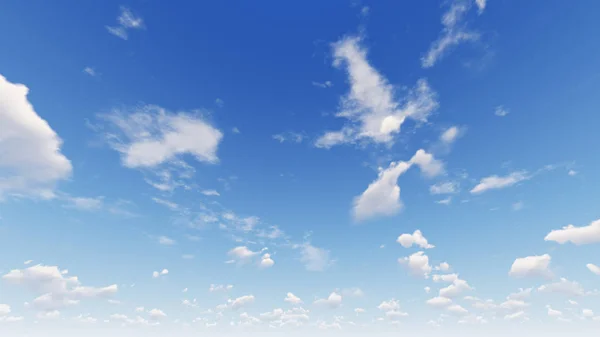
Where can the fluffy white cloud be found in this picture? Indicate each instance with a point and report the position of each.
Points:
(563, 286)
(390, 305)
(151, 136)
(219, 287)
(576, 235)
(241, 302)
(450, 135)
(382, 196)
(512, 304)
(31, 162)
(315, 258)
(457, 310)
(500, 111)
(452, 34)
(448, 187)
(445, 278)
(370, 107)
(457, 287)
(593, 268)
(516, 315)
(210, 193)
(266, 261)
(531, 266)
(587, 313)
(521, 294)
(439, 302)
(293, 299)
(4, 309)
(418, 264)
(242, 253)
(157, 274)
(125, 22)
(156, 314)
(497, 182)
(163, 240)
(359, 311)
(416, 238)
(333, 301)
(57, 288)
(552, 312)
(444, 266)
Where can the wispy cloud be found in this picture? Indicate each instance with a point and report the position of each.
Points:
(125, 22)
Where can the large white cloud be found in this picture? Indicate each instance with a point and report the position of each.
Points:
(531, 266)
(31, 162)
(382, 196)
(57, 289)
(371, 108)
(576, 235)
(457, 287)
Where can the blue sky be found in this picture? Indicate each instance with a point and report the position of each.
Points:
(338, 168)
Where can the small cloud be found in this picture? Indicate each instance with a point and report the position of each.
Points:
(364, 12)
(517, 206)
(90, 71)
(125, 22)
(187, 256)
(161, 273)
(293, 137)
(166, 241)
(446, 201)
(326, 84)
(572, 173)
(219, 102)
(210, 193)
(235, 130)
(501, 111)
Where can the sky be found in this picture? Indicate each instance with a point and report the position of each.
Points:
(338, 168)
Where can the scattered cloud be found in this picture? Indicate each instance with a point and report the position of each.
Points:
(457, 287)
(517, 206)
(593, 268)
(453, 33)
(333, 301)
(83, 204)
(445, 201)
(439, 302)
(449, 187)
(450, 135)
(497, 182)
(219, 103)
(457, 310)
(266, 261)
(157, 274)
(552, 312)
(501, 111)
(418, 264)
(31, 160)
(125, 22)
(382, 196)
(531, 266)
(481, 5)
(292, 137)
(416, 238)
(241, 302)
(293, 299)
(563, 286)
(315, 258)
(370, 107)
(210, 193)
(576, 235)
(90, 71)
(521, 294)
(326, 84)
(166, 241)
(572, 173)
(220, 288)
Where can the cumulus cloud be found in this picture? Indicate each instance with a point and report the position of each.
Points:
(531, 266)
(315, 258)
(293, 299)
(382, 196)
(439, 302)
(552, 312)
(416, 238)
(157, 274)
(333, 301)
(576, 235)
(57, 289)
(512, 304)
(457, 310)
(453, 33)
(4, 309)
(266, 261)
(593, 268)
(449, 187)
(31, 160)
(497, 182)
(521, 294)
(563, 286)
(241, 302)
(156, 314)
(457, 287)
(450, 135)
(125, 22)
(371, 108)
(418, 264)
(242, 253)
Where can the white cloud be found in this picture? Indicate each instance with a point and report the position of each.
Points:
(54, 314)
(84, 204)
(593, 268)
(326, 84)
(219, 287)
(456, 288)
(315, 258)
(445, 278)
(497, 182)
(521, 294)
(266, 261)
(126, 21)
(241, 302)
(553, 313)
(576, 235)
(166, 241)
(516, 315)
(90, 71)
(157, 274)
(450, 135)
(11, 319)
(587, 313)
(531, 266)
(220, 103)
(370, 107)
(446, 201)
(457, 310)
(170, 205)
(448, 187)
(452, 34)
(418, 264)
(382, 196)
(293, 299)
(427, 290)
(151, 136)
(572, 173)
(481, 5)
(156, 314)
(292, 137)
(353, 292)
(210, 193)
(359, 311)
(242, 253)
(4, 309)
(444, 266)
(439, 302)
(333, 301)
(563, 286)
(57, 288)
(517, 206)
(501, 111)
(31, 161)
(513, 304)
(417, 238)
(389, 305)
